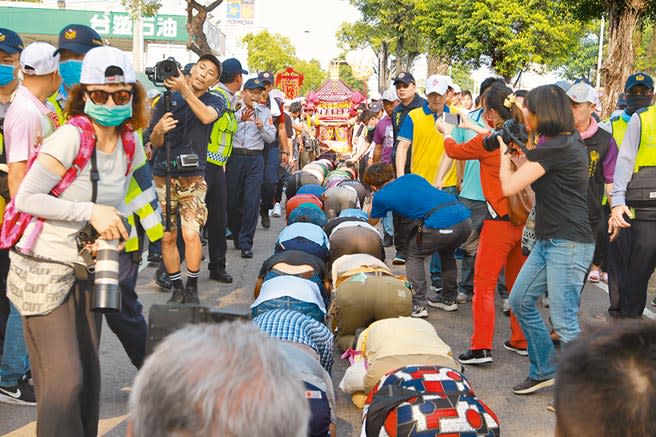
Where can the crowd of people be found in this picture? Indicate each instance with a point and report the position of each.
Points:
(525, 193)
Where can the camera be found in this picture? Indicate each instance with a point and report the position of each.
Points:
(511, 132)
(181, 163)
(163, 70)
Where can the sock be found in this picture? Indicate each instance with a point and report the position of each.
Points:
(192, 278)
(176, 279)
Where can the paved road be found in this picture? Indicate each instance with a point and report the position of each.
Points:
(519, 415)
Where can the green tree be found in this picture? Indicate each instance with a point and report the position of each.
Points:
(508, 35)
(346, 76)
(314, 74)
(646, 50)
(461, 75)
(582, 63)
(361, 34)
(624, 18)
(269, 51)
(145, 8)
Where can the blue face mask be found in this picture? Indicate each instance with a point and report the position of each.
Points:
(70, 72)
(108, 115)
(6, 74)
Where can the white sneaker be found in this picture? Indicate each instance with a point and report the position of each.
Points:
(419, 311)
(277, 210)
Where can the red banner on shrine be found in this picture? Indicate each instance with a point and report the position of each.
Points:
(290, 82)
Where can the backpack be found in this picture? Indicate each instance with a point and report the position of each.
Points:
(15, 222)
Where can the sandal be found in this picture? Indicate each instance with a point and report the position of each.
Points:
(594, 276)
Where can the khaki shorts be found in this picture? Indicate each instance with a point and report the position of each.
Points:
(187, 200)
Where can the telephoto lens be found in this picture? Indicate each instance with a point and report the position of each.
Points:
(106, 296)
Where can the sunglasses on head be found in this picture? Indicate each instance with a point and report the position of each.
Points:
(100, 97)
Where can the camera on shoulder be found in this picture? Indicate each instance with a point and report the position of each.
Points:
(511, 132)
(163, 70)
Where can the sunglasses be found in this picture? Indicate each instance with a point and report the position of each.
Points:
(100, 97)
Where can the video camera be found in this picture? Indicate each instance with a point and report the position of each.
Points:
(163, 70)
(511, 132)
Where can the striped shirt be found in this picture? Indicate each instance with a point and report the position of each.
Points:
(293, 326)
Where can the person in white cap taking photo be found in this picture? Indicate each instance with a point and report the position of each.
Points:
(88, 162)
(28, 121)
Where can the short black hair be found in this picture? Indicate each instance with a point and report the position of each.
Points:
(366, 116)
(229, 77)
(295, 107)
(465, 93)
(606, 382)
(521, 93)
(552, 108)
(489, 82)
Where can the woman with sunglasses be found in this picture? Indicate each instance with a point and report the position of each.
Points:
(62, 333)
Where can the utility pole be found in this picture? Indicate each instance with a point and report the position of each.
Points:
(601, 51)
(137, 36)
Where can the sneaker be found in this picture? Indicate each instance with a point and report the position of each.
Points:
(479, 356)
(419, 311)
(277, 210)
(191, 295)
(463, 298)
(443, 304)
(653, 302)
(154, 258)
(162, 280)
(545, 301)
(388, 240)
(518, 350)
(505, 307)
(399, 260)
(178, 296)
(532, 385)
(20, 394)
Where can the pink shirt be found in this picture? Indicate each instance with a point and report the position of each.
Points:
(27, 122)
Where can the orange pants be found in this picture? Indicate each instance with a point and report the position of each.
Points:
(499, 246)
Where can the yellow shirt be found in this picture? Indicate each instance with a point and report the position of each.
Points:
(427, 146)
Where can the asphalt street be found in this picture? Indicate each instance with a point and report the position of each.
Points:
(519, 415)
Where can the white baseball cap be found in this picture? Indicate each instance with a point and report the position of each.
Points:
(390, 95)
(456, 88)
(107, 65)
(38, 59)
(583, 93)
(438, 84)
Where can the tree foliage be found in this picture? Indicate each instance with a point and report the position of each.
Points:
(582, 63)
(269, 51)
(145, 8)
(314, 74)
(508, 35)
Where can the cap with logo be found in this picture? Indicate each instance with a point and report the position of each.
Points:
(389, 95)
(266, 77)
(107, 65)
(233, 66)
(213, 59)
(10, 42)
(563, 84)
(254, 84)
(376, 107)
(78, 38)
(403, 77)
(39, 58)
(639, 79)
(438, 84)
(583, 93)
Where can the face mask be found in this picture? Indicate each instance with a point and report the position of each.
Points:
(70, 72)
(633, 103)
(6, 74)
(371, 128)
(108, 115)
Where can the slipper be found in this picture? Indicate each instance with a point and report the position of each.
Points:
(594, 276)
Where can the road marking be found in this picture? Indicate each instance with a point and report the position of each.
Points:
(647, 312)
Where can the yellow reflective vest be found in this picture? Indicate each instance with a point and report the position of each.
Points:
(220, 147)
(647, 149)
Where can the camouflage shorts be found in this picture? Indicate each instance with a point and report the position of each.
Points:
(187, 200)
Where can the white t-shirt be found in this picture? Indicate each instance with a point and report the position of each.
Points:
(290, 286)
(57, 239)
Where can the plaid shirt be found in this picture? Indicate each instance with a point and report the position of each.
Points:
(297, 327)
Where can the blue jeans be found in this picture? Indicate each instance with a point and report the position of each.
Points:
(388, 223)
(560, 267)
(289, 303)
(15, 362)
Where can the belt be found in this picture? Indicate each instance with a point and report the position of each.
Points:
(245, 152)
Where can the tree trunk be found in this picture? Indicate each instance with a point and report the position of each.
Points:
(399, 55)
(623, 18)
(437, 65)
(383, 70)
(197, 41)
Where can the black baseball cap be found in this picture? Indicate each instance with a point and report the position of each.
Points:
(10, 42)
(233, 66)
(404, 77)
(639, 79)
(213, 59)
(78, 38)
(254, 84)
(266, 77)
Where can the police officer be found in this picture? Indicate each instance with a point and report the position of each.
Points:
(245, 170)
(218, 152)
(632, 258)
(75, 40)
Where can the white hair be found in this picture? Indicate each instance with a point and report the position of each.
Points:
(218, 380)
